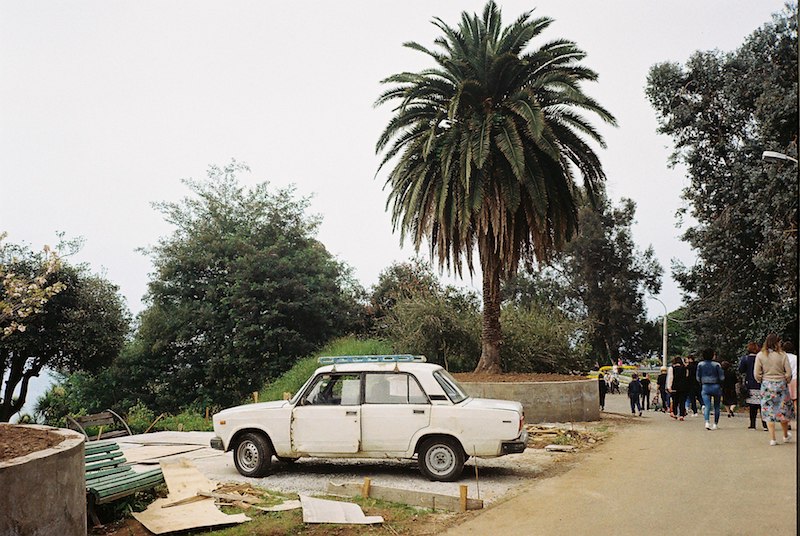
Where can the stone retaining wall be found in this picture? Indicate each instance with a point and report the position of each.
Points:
(545, 401)
(43, 493)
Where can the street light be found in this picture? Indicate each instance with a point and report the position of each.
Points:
(664, 336)
(774, 157)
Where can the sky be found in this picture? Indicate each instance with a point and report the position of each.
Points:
(106, 105)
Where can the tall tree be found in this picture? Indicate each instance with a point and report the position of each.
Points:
(722, 110)
(600, 278)
(486, 145)
(82, 327)
(241, 289)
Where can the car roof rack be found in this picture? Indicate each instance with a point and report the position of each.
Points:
(400, 358)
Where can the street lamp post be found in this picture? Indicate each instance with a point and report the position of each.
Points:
(774, 157)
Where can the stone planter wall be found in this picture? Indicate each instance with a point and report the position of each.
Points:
(43, 493)
(546, 401)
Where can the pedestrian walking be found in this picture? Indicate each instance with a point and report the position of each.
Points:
(661, 382)
(601, 382)
(710, 377)
(772, 369)
(788, 347)
(746, 367)
(729, 388)
(634, 394)
(677, 385)
(693, 394)
(645, 402)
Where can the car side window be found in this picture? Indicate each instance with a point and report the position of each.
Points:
(393, 389)
(334, 390)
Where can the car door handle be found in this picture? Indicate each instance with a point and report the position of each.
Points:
(419, 412)
(348, 413)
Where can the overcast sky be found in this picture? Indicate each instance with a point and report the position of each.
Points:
(106, 105)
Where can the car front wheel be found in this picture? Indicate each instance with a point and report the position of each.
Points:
(253, 455)
(441, 459)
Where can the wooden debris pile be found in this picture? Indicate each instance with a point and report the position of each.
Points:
(540, 436)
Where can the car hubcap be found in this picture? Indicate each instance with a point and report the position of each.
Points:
(440, 459)
(247, 454)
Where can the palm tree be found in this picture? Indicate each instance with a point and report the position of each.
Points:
(487, 144)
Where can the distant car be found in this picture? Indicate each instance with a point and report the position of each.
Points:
(373, 407)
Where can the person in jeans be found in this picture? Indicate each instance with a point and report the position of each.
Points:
(753, 400)
(710, 377)
(661, 382)
(635, 393)
(645, 402)
(677, 385)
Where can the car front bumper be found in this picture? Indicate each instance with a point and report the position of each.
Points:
(517, 445)
(216, 443)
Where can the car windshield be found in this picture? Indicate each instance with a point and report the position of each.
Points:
(451, 388)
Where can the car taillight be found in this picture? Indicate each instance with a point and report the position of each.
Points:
(521, 422)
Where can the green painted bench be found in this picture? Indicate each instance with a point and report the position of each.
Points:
(108, 478)
(102, 419)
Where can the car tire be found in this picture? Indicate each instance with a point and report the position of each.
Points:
(253, 455)
(441, 459)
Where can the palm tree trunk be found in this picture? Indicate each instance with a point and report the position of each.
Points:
(491, 336)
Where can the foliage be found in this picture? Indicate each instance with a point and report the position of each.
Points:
(399, 281)
(82, 327)
(293, 379)
(485, 145)
(23, 295)
(721, 111)
(542, 339)
(600, 280)
(444, 326)
(241, 289)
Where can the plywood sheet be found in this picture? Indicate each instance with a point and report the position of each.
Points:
(184, 481)
(151, 453)
(325, 511)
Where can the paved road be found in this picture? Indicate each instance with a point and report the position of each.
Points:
(661, 476)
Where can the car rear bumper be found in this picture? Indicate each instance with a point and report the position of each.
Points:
(517, 445)
(216, 443)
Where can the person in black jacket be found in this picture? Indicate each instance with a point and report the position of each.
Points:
(635, 393)
(693, 389)
(746, 366)
(661, 382)
(677, 386)
(729, 388)
(603, 390)
(645, 402)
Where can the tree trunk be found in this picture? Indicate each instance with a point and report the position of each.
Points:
(491, 336)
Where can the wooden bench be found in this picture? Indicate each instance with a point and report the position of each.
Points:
(104, 418)
(108, 478)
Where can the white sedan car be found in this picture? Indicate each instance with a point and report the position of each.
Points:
(373, 407)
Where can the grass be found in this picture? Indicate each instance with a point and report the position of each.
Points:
(295, 377)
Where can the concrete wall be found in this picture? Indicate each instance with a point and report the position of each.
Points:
(546, 401)
(43, 493)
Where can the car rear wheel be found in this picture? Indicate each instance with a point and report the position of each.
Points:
(253, 455)
(441, 459)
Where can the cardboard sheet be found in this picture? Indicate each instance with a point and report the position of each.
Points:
(325, 511)
(184, 481)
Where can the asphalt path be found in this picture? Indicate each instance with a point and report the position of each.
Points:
(660, 476)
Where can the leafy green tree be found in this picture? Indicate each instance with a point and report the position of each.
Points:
(721, 111)
(241, 289)
(82, 327)
(402, 280)
(486, 145)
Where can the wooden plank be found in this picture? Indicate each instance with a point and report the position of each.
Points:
(96, 448)
(434, 501)
(97, 475)
(126, 487)
(107, 463)
(102, 456)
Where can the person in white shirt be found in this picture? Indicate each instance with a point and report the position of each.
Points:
(788, 347)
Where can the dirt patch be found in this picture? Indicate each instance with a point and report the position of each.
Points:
(16, 441)
(471, 377)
